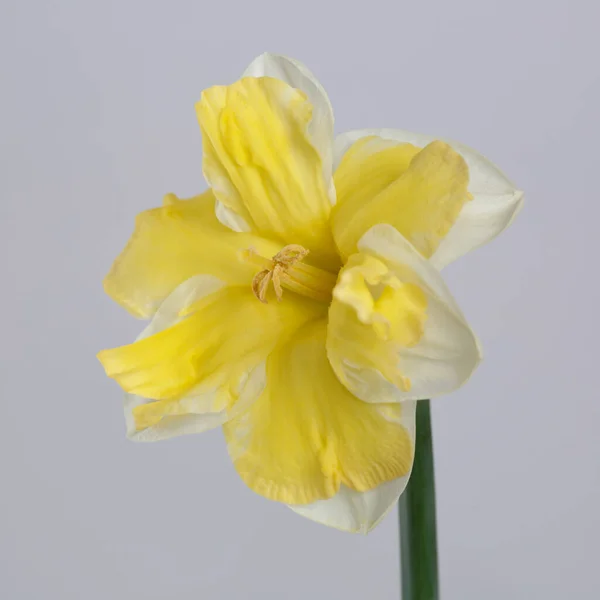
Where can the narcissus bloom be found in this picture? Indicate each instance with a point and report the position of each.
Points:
(298, 303)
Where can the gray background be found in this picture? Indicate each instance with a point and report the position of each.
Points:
(98, 122)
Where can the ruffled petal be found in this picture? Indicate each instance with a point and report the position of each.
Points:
(395, 333)
(203, 354)
(320, 128)
(419, 191)
(171, 244)
(194, 411)
(261, 161)
(495, 200)
(307, 434)
(360, 512)
(297, 75)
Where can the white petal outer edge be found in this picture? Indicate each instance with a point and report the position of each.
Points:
(167, 315)
(447, 354)
(495, 204)
(230, 218)
(320, 129)
(360, 512)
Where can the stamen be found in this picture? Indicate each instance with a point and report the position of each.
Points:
(286, 269)
(260, 284)
(290, 255)
(278, 271)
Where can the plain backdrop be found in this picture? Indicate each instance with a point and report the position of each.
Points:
(97, 123)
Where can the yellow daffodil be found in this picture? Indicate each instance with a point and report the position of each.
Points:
(298, 302)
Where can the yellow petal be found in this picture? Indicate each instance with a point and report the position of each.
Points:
(395, 333)
(373, 315)
(298, 76)
(262, 165)
(306, 435)
(495, 203)
(198, 410)
(171, 244)
(368, 167)
(207, 354)
(354, 511)
(420, 193)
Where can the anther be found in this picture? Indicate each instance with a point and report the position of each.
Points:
(285, 258)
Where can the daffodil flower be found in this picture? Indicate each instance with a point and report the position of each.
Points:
(298, 303)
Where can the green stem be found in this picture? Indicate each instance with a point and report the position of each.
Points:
(416, 513)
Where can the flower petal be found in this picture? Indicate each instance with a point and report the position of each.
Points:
(369, 166)
(297, 75)
(261, 162)
(495, 203)
(175, 242)
(360, 512)
(193, 413)
(306, 435)
(320, 128)
(203, 352)
(419, 192)
(395, 332)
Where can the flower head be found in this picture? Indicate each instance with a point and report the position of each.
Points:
(298, 302)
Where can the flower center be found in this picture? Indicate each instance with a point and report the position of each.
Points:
(287, 270)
